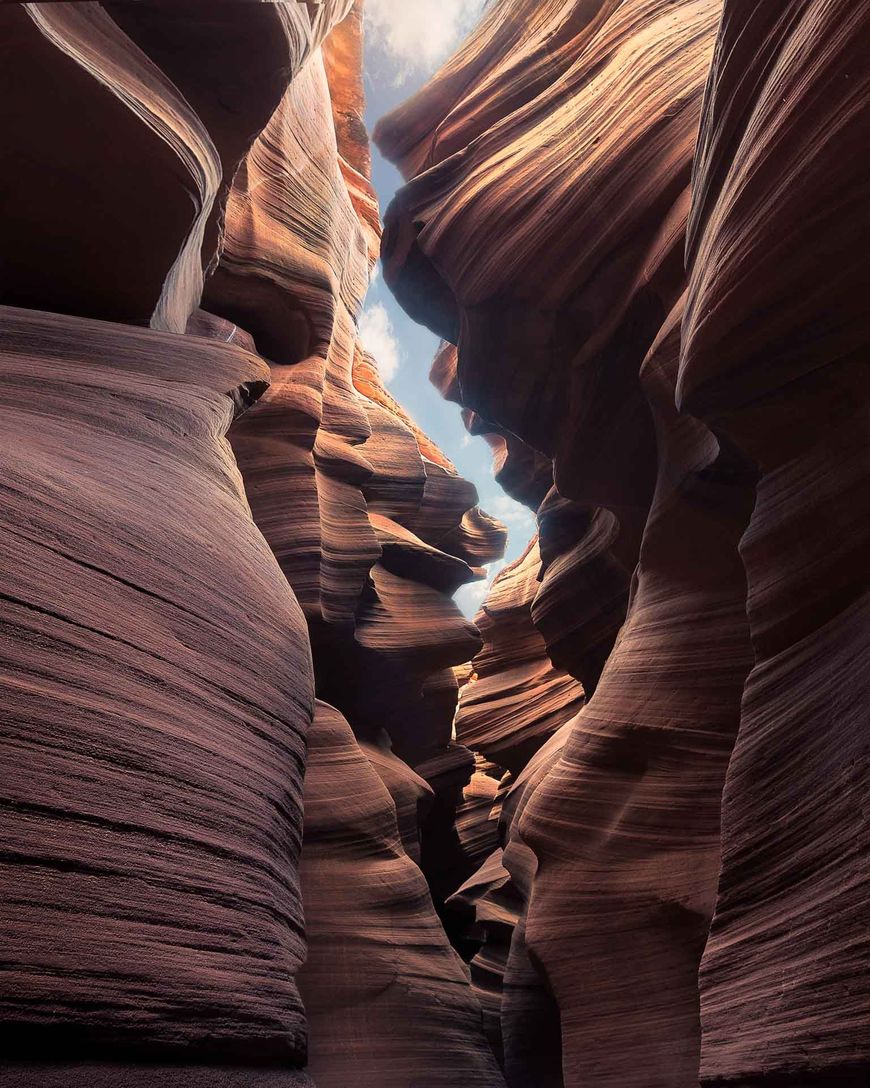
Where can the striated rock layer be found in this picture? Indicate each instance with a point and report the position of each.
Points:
(153, 739)
(634, 794)
(514, 700)
(780, 214)
(159, 671)
(703, 432)
(624, 827)
(379, 962)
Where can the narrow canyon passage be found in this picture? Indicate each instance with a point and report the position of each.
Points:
(325, 766)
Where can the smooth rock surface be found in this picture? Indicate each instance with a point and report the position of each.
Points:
(379, 970)
(153, 738)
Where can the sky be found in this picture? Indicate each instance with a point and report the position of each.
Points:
(406, 41)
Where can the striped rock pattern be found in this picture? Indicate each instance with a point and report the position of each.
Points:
(154, 739)
(158, 666)
(515, 700)
(702, 428)
(780, 214)
(379, 961)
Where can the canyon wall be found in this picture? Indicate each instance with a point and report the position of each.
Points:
(213, 511)
(275, 813)
(639, 228)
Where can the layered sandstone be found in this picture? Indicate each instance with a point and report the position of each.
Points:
(779, 217)
(689, 421)
(387, 998)
(154, 739)
(514, 700)
(159, 668)
(632, 794)
(624, 827)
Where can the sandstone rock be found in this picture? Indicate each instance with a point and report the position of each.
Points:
(154, 739)
(521, 1018)
(524, 473)
(774, 357)
(112, 240)
(293, 272)
(618, 841)
(176, 831)
(599, 168)
(515, 699)
(625, 827)
(387, 998)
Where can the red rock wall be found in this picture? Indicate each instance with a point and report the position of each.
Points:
(159, 668)
(647, 311)
(379, 961)
(154, 738)
(780, 217)
(633, 796)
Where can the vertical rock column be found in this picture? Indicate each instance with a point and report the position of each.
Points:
(156, 667)
(153, 738)
(375, 530)
(574, 294)
(775, 358)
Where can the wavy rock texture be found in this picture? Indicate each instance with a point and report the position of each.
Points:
(69, 61)
(371, 524)
(780, 214)
(512, 703)
(154, 643)
(524, 473)
(153, 739)
(624, 827)
(598, 169)
(189, 232)
(380, 970)
(179, 93)
(640, 777)
(521, 1018)
(705, 431)
(515, 699)
(293, 272)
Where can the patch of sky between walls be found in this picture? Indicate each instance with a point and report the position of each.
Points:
(405, 42)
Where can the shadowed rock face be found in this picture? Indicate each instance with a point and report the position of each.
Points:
(378, 959)
(702, 426)
(157, 664)
(623, 829)
(634, 796)
(780, 214)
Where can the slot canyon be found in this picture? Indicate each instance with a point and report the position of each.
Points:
(276, 812)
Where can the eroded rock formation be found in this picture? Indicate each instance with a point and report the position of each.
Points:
(158, 669)
(699, 412)
(774, 357)
(379, 962)
(154, 740)
(245, 725)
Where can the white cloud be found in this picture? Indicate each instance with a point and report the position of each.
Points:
(466, 440)
(377, 337)
(415, 35)
(513, 514)
(470, 597)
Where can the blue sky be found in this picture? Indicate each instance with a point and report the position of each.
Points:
(406, 40)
